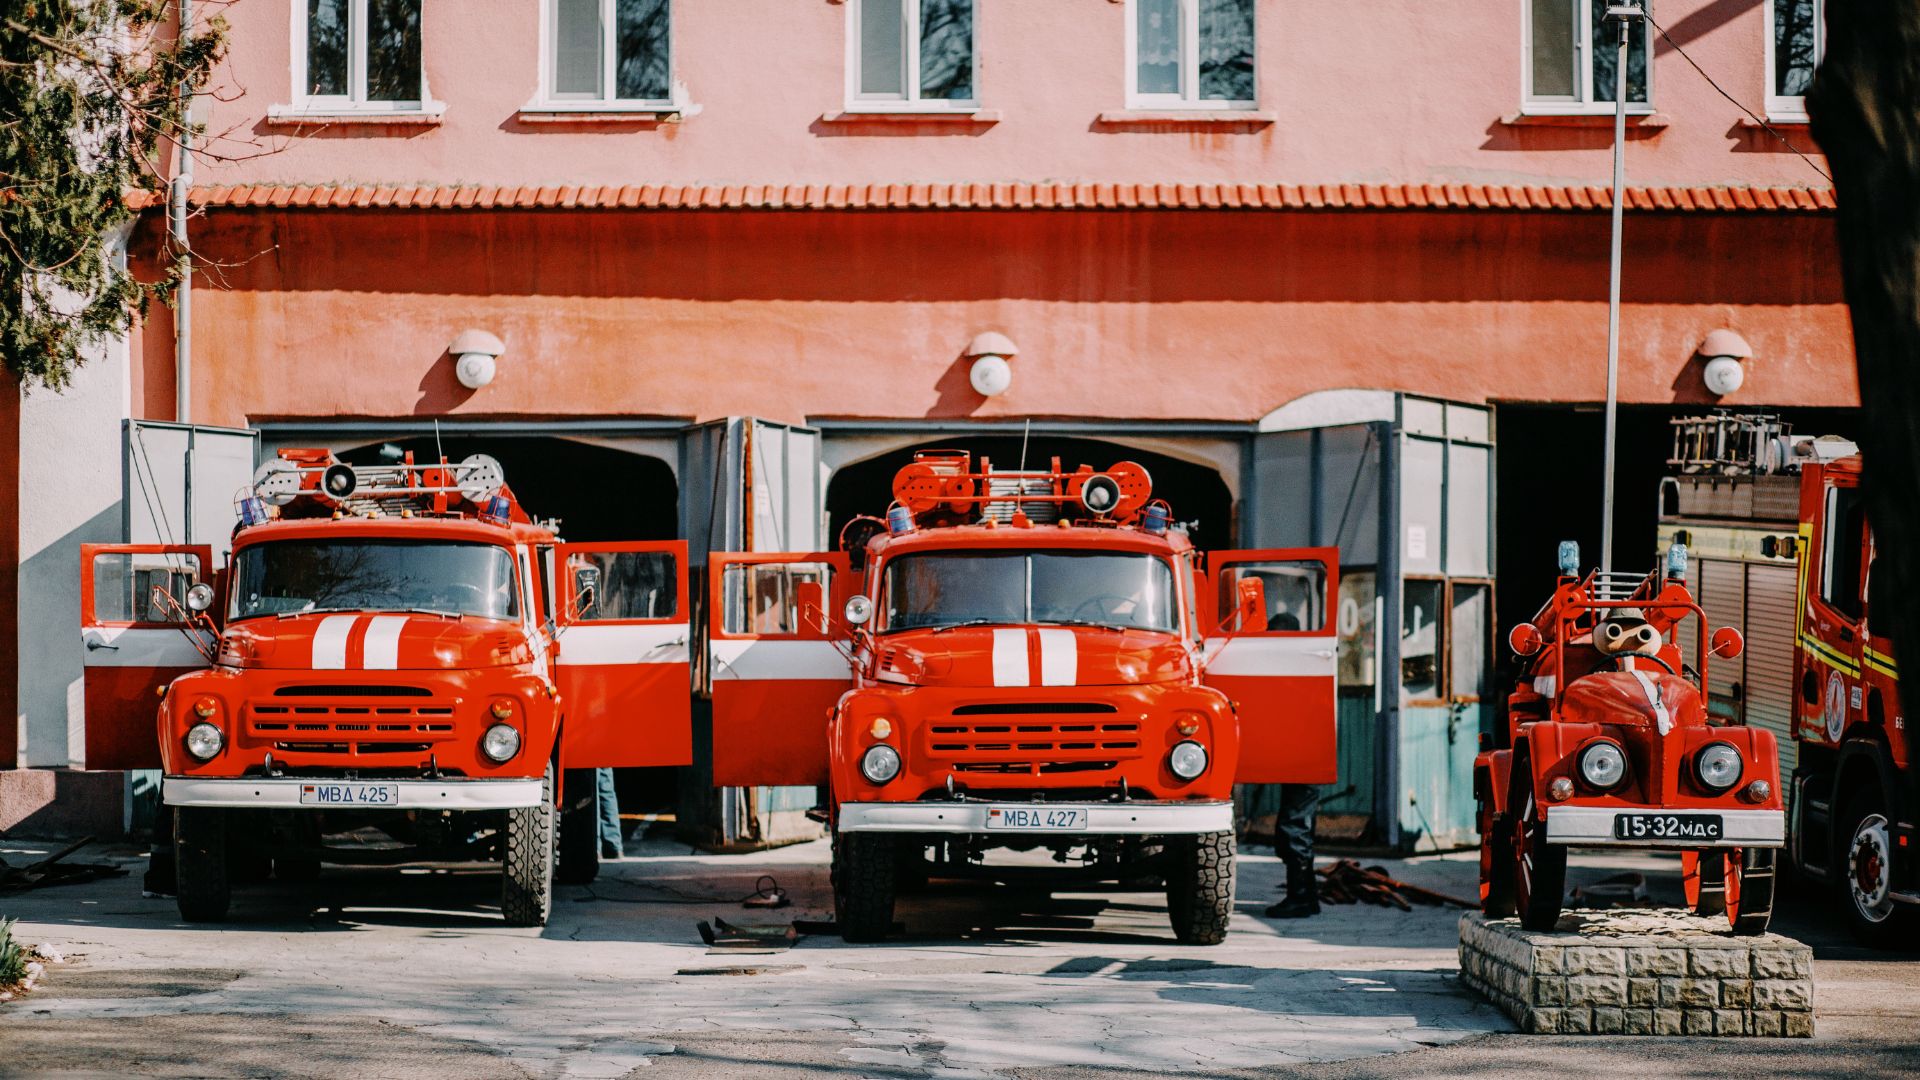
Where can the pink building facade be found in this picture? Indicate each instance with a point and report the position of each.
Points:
(1282, 252)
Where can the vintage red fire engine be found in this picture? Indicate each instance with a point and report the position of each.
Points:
(1028, 660)
(396, 645)
(1608, 744)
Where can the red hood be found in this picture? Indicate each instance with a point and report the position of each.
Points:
(1032, 656)
(374, 642)
(1620, 697)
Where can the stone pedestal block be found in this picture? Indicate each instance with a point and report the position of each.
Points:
(1639, 973)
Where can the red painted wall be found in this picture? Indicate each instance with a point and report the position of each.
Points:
(1142, 314)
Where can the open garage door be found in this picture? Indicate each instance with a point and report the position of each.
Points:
(752, 486)
(181, 480)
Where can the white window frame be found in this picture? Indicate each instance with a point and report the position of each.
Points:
(354, 102)
(1789, 108)
(1583, 102)
(549, 99)
(1188, 99)
(910, 101)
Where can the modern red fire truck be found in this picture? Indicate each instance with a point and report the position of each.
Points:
(1856, 789)
(1779, 532)
(1608, 744)
(1026, 660)
(394, 645)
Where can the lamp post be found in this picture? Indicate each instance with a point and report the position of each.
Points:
(1623, 16)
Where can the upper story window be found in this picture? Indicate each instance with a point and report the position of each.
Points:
(1190, 54)
(359, 55)
(1571, 54)
(912, 54)
(610, 52)
(1796, 39)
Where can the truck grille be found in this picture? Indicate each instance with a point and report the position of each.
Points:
(1030, 738)
(350, 719)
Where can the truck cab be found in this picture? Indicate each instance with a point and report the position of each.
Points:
(1030, 661)
(400, 646)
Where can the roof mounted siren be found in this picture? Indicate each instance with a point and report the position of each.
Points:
(942, 487)
(313, 483)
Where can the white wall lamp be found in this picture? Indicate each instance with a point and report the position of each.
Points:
(1726, 354)
(473, 355)
(991, 373)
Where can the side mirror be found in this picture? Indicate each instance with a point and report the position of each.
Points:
(200, 597)
(586, 588)
(1250, 610)
(859, 610)
(1525, 640)
(810, 607)
(1726, 643)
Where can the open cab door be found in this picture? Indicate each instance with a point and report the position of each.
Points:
(777, 673)
(622, 658)
(132, 600)
(1270, 648)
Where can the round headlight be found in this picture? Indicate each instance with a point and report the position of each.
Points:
(500, 742)
(1187, 760)
(204, 741)
(880, 764)
(1718, 766)
(1603, 765)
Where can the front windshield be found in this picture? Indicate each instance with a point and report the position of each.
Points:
(291, 576)
(948, 588)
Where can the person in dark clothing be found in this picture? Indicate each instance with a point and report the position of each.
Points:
(1293, 842)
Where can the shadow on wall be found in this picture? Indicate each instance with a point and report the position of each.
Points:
(51, 656)
(1078, 256)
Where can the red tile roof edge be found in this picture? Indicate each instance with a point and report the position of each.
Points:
(1003, 196)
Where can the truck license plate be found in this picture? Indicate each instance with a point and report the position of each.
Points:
(1666, 826)
(1037, 818)
(349, 794)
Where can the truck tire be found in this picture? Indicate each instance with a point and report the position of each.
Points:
(579, 829)
(203, 886)
(1703, 878)
(865, 878)
(1200, 872)
(1865, 872)
(1748, 890)
(526, 879)
(1539, 868)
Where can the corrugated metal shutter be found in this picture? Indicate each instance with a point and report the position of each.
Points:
(1769, 657)
(1723, 587)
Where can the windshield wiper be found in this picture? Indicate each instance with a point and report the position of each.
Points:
(1086, 622)
(312, 611)
(969, 622)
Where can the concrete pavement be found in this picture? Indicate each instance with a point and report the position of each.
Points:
(408, 973)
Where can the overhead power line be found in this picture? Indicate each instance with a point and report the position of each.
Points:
(1751, 115)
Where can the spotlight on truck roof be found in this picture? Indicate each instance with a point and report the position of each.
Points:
(1100, 494)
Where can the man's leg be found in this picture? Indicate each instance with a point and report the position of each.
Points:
(1293, 842)
(611, 846)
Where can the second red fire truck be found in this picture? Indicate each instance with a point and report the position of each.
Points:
(1027, 660)
(395, 646)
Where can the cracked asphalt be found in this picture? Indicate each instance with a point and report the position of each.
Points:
(408, 973)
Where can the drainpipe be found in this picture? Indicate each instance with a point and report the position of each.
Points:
(1388, 800)
(183, 259)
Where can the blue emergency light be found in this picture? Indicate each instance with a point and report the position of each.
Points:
(1155, 520)
(899, 520)
(499, 510)
(253, 509)
(1569, 558)
(1677, 561)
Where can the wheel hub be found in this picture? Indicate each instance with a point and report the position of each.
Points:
(1867, 869)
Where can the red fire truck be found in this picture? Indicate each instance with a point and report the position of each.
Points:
(397, 646)
(1026, 660)
(1608, 745)
(1856, 791)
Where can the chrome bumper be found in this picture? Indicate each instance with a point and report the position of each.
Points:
(414, 794)
(1592, 826)
(1103, 819)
